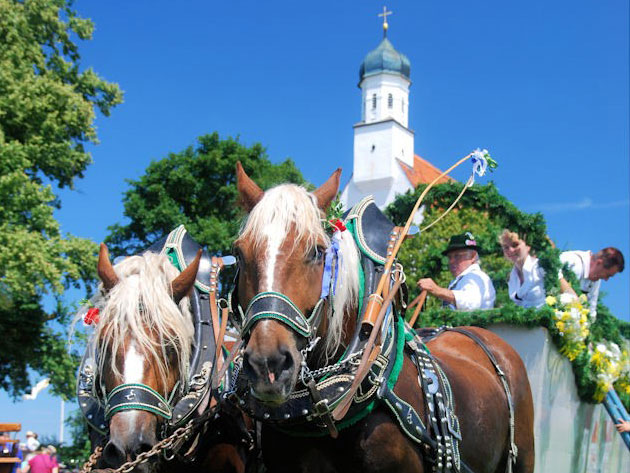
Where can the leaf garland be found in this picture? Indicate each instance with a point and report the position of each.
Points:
(485, 212)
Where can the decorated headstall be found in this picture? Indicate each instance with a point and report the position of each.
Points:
(320, 391)
(184, 402)
(279, 307)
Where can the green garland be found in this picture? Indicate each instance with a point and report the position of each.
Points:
(486, 213)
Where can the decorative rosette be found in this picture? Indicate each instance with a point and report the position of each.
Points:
(482, 161)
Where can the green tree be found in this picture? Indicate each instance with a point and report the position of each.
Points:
(47, 110)
(197, 188)
(483, 212)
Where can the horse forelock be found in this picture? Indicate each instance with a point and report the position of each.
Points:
(139, 310)
(289, 209)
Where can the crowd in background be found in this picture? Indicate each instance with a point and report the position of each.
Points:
(34, 457)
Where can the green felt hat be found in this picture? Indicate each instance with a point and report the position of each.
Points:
(463, 241)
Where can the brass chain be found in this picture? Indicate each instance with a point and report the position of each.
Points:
(87, 466)
(144, 456)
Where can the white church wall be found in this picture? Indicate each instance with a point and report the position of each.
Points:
(381, 86)
(377, 147)
(372, 148)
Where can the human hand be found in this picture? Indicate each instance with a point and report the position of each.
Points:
(623, 425)
(427, 284)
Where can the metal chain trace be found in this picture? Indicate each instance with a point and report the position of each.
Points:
(144, 456)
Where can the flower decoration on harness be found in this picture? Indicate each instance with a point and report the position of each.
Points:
(91, 317)
(89, 312)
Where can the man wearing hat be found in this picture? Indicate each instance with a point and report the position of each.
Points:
(472, 288)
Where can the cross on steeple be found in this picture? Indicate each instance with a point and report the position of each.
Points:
(384, 16)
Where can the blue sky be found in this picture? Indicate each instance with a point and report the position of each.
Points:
(542, 84)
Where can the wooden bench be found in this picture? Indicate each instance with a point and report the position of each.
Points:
(6, 463)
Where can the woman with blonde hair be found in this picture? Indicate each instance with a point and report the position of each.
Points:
(525, 285)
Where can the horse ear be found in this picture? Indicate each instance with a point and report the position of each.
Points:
(249, 192)
(181, 285)
(105, 269)
(328, 190)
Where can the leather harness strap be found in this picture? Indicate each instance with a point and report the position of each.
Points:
(513, 451)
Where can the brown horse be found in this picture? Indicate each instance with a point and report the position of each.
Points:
(143, 343)
(281, 252)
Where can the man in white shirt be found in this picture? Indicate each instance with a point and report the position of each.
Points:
(472, 288)
(590, 269)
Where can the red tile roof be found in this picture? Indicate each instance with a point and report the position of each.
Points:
(423, 172)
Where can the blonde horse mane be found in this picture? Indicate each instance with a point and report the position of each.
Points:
(140, 307)
(290, 207)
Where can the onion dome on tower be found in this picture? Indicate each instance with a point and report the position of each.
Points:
(385, 59)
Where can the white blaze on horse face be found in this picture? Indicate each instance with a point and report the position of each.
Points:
(134, 365)
(133, 372)
(274, 241)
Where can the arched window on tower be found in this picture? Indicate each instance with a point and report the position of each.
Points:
(390, 101)
(373, 101)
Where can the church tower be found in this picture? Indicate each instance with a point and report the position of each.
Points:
(383, 142)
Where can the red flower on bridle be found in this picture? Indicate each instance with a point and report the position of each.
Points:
(91, 317)
(338, 225)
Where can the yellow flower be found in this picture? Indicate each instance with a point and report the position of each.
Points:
(550, 300)
(583, 299)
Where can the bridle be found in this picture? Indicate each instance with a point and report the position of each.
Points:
(279, 307)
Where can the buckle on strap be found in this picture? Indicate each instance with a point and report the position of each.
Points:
(276, 306)
(322, 409)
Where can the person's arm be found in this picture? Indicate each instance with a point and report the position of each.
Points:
(566, 287)
(429, 285)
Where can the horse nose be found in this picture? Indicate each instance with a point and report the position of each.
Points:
(268, 368)
(114, 454)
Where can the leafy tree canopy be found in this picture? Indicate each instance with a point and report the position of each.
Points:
(197, 188)
(47, 109)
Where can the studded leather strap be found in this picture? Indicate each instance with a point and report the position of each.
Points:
(139, 397)
(276, 306)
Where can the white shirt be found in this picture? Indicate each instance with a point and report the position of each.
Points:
(473, 290)
(531, 292)
(580, 264)
(32, 444)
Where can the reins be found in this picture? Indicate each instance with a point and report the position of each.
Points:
(377, 305)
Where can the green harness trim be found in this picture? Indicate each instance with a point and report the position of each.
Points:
(391, 382)
(163, 408)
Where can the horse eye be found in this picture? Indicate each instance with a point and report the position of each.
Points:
(317, 254)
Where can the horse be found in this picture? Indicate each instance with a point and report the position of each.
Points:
(282, 252)
(139, 366)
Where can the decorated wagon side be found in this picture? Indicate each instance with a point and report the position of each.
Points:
(573, 359)
(571, 435)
